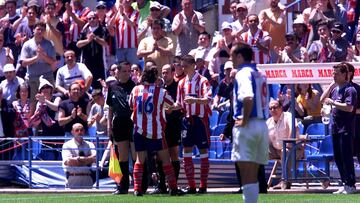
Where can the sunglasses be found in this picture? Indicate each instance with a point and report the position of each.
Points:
(92, 18)
(273, 108)
(336, 31)
(79, 130)
(154, 9)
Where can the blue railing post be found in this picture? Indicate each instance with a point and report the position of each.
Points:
(97, 162)
(30, 161)
(293, 130)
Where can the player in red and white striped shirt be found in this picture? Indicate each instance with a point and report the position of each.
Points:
(74, 20)
(124, 26)
(148, 103)
(194, 97)
(258, 39)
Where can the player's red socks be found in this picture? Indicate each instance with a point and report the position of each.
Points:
(170, 176)
(204, 170)
(138, 173)
(189, 170)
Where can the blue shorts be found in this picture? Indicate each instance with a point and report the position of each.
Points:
(145, 144)
(195, 131)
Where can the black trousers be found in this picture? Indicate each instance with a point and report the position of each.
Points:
(343, 155)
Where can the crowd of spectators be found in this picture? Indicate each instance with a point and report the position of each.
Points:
(58, 57)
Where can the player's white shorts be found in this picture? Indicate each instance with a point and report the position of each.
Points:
(251, 143)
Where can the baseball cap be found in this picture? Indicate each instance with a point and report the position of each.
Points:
(228, 65)
(337, 26)
(101, 4)
(8, 68)
(155, 4)
(226, 25)
(299, 20)
(241, 5)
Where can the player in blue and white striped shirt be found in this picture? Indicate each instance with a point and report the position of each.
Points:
(250, 133)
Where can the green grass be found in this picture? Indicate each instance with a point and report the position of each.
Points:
(225, 198)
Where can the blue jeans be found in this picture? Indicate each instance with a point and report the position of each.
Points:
(127, 54)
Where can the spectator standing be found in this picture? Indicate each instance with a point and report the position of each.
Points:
(293, 52)
(98, 113)
(55, 31)
(301, 30)
(234, 15)
(273, 21)
(23, 110)
(240, 25)
(157, 48)
(5, 56)
(338, 44)
(124, 27)
(74, 19)
(143, 6)
(77, 153)
(187, 26)
(203, 49)
(74, 110)
(38, 55)
(71, 72)
(25, 26)
(92, 44)
(341, 95)
(225, 87)
(155, 13)
(258, 39)
(6, 27)
(7, 117)
(47, 109)
(10, 84)
(319, 50)
(250, 132)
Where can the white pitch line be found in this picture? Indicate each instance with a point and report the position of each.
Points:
(50, 197)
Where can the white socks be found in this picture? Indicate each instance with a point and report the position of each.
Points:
(251, 192)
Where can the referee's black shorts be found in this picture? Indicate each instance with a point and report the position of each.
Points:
(173, 132)
(122, 129)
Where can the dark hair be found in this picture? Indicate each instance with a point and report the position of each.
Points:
(234, 1)
(11, 2)
(206, 33)
(247, 18)
(308, 90)
(22, 85)
(245, 50)
(40, 24)
(158, 22)
(324, 23)
(74, 83)
(350, 68)
(343, 69)
(122, 65)
(188, 59)
(149, 75)
(176, 58)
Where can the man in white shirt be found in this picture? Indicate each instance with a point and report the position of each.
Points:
(70, 72)
(77, 154)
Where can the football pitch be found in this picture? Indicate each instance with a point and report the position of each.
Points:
(208, 198)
